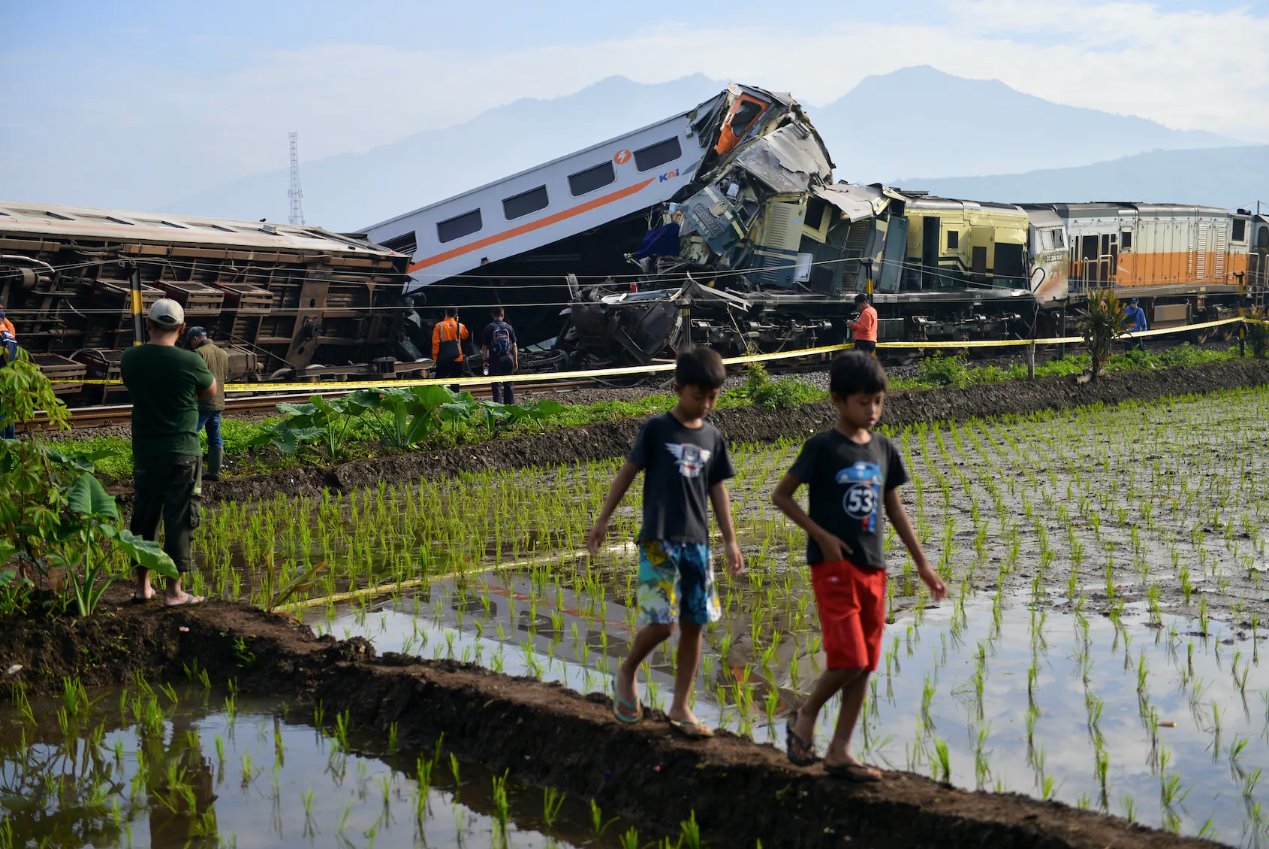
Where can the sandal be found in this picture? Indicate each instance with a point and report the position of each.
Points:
(692, 729)
(624, 709)
(792, 738)
(856, 772)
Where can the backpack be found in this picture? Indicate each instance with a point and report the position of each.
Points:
(500, 342)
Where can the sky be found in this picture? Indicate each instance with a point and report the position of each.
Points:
(133, 104)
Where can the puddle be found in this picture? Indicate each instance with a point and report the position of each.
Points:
(1157, 724)
(188, 767)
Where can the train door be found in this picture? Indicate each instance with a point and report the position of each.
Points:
(930, 251)
(1088, 261)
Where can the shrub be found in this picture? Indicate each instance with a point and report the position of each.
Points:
(1101, 323)
(778, 394)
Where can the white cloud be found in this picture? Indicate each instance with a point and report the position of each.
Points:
(1189, 70)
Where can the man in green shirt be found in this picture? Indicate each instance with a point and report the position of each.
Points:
(165, 383)
(211, 406)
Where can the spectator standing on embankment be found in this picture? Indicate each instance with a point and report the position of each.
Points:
(501, 354)
(685, 464)
(852, 474)
(8, 353)
(211, 407)
(165, 383)
(864, 328)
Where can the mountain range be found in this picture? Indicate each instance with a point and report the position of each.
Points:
(914, 121)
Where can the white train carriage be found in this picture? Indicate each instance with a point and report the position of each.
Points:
(544, 204)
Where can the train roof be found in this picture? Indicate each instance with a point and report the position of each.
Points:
(925, 200)
(1139, 206)
(23, 219)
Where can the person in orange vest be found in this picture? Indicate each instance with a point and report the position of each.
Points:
(864, 328)
(447, 345)
(8, 353)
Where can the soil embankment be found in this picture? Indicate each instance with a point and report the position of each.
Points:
(604, 441)
(740, 792)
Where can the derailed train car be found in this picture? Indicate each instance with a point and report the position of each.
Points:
(723, 225)
(279, 298)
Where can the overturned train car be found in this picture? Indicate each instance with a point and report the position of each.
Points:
(723, 225)
(279, 298)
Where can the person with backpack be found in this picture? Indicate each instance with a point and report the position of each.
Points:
(447, 345)
(501, 353)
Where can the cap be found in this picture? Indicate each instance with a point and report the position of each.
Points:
(194, 333)
(167, 313)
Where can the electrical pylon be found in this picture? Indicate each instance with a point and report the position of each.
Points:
(297, 196)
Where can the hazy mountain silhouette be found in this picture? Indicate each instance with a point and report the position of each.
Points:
(912, 121)
(922, 121)
(1231, 177)
(358, 189)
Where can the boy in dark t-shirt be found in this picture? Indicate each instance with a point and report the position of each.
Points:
(685, 462)
(851, 473)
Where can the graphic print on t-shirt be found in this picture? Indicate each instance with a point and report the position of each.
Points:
(690, 459)
(862, 499)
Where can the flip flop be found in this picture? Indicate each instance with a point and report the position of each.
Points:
(190, 601)
(139, 600)
(792, 738)
(633, 711)
(855, 772)
(692, 730)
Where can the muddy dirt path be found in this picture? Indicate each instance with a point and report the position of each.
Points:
(740, 792)
(603, 441)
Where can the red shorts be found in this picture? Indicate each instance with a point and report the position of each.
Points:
(852, 605)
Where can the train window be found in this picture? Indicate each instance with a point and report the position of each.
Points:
(406, 243)
(591, 179)
(1240, 230)
(525, 203)
(744, 116)
(1125, 239)
(657, 154)
(458, 226)
(953, 240)
(1059, 241)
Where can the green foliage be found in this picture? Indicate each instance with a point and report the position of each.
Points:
(398, 418)
(1257, 331)
(778, 394)
(54, 513)
(1101, 322)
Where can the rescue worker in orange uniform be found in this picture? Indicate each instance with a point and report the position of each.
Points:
(864, 328)
(447, 345)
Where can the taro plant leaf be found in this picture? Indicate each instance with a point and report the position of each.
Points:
(146, 553)
(88, 497)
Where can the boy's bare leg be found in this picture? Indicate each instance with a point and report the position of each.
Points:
(688, 661)
(646, 639)
(830, 681)
(852, 702)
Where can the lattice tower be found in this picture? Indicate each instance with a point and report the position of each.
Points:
(297, 196)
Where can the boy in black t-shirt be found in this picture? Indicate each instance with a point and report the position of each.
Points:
(851, 473)
(685, 463)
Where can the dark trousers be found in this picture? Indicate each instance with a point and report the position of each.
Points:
(167, 488)
(503, 393)
(865, 346)
(456, 368)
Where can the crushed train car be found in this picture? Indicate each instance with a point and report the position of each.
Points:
(724, 223)
(285, 301)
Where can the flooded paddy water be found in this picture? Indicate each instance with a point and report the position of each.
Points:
(190, 766)
(1102, 643)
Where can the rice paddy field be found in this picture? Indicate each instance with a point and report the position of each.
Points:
(1100, 645)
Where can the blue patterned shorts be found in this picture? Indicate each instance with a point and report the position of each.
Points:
(676, 581)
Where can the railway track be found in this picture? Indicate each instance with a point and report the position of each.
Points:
(84, 418)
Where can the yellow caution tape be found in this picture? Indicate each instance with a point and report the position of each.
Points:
(353, 385)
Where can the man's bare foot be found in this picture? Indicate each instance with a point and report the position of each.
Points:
(182, 600)
(142, 596)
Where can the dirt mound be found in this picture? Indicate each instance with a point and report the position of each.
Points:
(603, 441)
(740, 792)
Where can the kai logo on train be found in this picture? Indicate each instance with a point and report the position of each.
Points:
(668, 175)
